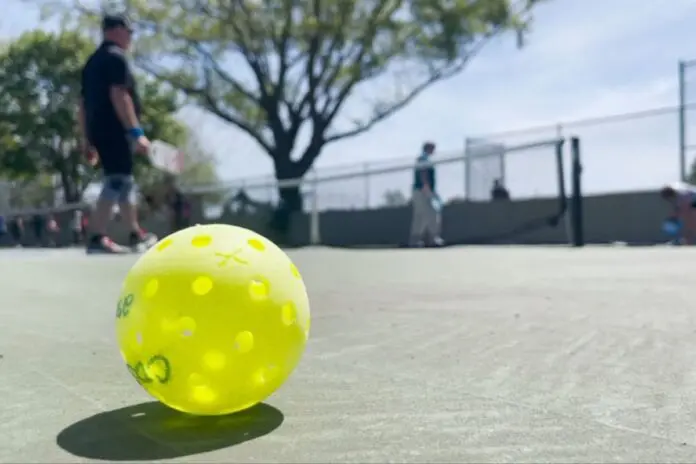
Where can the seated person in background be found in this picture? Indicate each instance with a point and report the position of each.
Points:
(499, 192)
(52, 229)
(672, 228)
(39, 224)
(682, 198)
(76, 227)
(16, 227)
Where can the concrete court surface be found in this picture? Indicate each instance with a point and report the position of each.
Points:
(510, 354)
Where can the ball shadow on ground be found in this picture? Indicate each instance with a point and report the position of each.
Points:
(151, 431)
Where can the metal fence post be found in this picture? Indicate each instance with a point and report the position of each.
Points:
(314, 216)
(682, 120)
(577, 199)
(467, 170)
(366, 175)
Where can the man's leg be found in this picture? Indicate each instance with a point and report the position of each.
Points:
(99, 241)
(434, 224)
(139, 238)
(418, 221)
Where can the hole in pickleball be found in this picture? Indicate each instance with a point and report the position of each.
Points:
(295, 271)
(256, 244)
(164, 244)
(288, 314)
(244, 341)
(202, 241)
(151, 288)
(258, 290)
(139, 338)
(202, 285)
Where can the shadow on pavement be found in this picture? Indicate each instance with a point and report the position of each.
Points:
(151, 431)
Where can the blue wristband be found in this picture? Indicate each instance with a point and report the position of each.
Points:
(136, 132)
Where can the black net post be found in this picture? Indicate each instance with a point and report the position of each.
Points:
(576, 200)
(563, 198)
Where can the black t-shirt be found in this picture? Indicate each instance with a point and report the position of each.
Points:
(106, 68)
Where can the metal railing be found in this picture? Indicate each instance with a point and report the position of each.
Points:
(623, 152)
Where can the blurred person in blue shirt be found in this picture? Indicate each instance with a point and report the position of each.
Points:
(682, 199)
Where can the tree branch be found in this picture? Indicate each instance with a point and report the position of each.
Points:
(281, 45)
(436, 76)
(205, 94)
(366, 44)
(255, 58)
(227, 77)
(310, 154)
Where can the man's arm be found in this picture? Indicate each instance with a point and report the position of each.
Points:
(125, 109)
(119, 73)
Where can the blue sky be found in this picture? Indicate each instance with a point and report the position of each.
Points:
(584, 58)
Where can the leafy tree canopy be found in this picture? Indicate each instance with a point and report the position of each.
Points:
(39, 93)
(287, 72)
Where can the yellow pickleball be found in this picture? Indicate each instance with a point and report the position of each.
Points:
(213, 319)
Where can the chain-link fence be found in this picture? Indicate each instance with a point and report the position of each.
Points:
(621, 153)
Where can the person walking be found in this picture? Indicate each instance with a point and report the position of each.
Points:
(109, 117)
(426, 221)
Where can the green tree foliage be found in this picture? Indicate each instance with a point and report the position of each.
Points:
(37, 102)
(288, 72)
(199, 164)
(39, 94)
(36, 192)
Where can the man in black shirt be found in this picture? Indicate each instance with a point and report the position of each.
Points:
(109, 119)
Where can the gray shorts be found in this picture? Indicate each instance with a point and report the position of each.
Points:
(118, 188)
